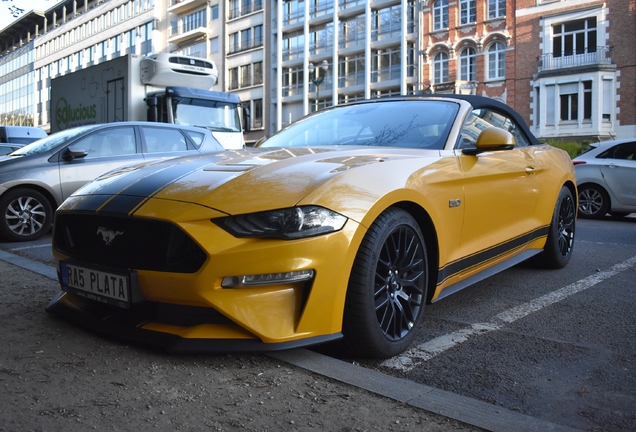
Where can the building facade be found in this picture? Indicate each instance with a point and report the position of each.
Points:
(566, 65)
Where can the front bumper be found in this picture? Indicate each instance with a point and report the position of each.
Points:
(173, 328)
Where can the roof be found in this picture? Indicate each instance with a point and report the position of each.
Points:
(25, 24)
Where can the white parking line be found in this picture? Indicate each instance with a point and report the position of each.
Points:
(31, 247)
(426, 351)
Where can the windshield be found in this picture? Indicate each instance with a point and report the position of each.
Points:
(416, 124)
(49, 143)
(214, 115)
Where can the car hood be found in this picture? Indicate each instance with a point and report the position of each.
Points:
(235, 182)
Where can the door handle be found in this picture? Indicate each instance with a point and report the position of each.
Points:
(531, 170)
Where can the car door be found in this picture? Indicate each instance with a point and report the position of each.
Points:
(500, 191)
(619, 172)
(106, 149)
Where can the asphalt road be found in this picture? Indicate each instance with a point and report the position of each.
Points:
(554, 345)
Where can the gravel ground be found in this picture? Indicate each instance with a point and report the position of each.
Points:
(55, 376)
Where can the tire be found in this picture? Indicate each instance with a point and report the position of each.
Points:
(26, 215)
(560, 242)
(387, 287)
(594, 202)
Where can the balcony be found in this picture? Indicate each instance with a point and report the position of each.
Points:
(182, 31)
(181, 6)
(550, 62)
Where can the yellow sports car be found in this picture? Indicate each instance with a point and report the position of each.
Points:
(342, 225)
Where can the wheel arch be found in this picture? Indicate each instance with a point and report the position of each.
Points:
(596, 184)
(44, 191)
(429, 232)
(574, 189)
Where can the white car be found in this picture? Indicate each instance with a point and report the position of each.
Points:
(606, 179)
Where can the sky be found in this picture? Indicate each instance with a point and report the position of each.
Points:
(9, 6)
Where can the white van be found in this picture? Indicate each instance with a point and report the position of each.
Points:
(20, 134)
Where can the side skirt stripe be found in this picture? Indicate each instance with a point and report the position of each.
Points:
(458, 266)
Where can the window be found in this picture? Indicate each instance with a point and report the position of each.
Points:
(196, 137)
(386, 64)
(246, 38)
(159, 140)
(292, 81)
(467, 11)
(214, 45)
(214, 10)
(570, 97)
(569, 102)
(146, 38)
(293, 46)
(496, 61)
(440, 68)
(625, 151)
(258, 73)
(111, 142)
(196, 50)
(234, 78)
(234, 43)
(440, 14)
(468, 64)
(258, 35)
(496, 8)
(574, 37)
(480, 119)
(132, 41)
(587, 100)
(245, 76)
(257, 113)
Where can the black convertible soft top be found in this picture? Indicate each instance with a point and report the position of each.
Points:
(486, 102)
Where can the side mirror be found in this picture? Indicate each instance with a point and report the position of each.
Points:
(491, 139)
(260, 141)
(71, 153)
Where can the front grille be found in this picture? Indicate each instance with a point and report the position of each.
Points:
(127, 242)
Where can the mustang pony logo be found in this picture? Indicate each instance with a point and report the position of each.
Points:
(108, 235)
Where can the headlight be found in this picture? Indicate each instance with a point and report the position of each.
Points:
(291, 223)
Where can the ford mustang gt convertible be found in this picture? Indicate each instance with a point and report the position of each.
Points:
(342, 226)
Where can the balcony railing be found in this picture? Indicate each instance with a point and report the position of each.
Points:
(181, 27)
(322, 8)
(245, 45)
(386, 74)
(551, 62)
(245, 8)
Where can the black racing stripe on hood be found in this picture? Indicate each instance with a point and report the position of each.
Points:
(128, 192)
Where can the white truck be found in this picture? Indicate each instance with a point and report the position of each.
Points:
(160, 87)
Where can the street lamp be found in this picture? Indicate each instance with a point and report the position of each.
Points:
(317, 80)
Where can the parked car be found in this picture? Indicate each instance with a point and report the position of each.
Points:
(20, 135)
(346, 223)
(9, 148)
(36, 178)
(606, 178)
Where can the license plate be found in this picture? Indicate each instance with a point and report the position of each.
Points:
(105, 287)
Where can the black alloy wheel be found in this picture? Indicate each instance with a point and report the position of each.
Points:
(560, 242)
(387, 287)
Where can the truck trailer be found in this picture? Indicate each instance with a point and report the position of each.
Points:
(159, 88)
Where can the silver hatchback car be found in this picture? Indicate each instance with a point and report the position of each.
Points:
(606, 179)
(35, 179)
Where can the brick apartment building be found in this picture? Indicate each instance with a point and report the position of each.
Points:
(568, 66)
